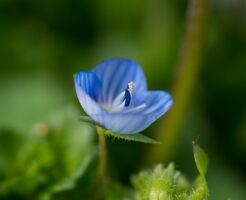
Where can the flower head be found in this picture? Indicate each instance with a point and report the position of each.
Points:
(114, 94)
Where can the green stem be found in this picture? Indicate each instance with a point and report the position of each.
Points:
(187, 75)
(103, 153)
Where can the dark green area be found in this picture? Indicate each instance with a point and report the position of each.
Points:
(45, 151)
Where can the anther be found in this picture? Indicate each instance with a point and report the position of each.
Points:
(128, 93)
(124, 98)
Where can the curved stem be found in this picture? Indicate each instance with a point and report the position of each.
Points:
(102, 152)
(188, 70)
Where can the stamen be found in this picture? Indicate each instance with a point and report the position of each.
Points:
(118, 108)
(131, 86)
(127, 97)
(119, 99)
(136, 109)
(123, 99)
(128, 93)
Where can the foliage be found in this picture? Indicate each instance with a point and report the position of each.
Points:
(55, 160)
(48, 159)
(132, 137)
(168, 184)
(127, 137)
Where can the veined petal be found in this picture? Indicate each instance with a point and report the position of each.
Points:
(97, 91)
(88, 88)
(157, 103)
(115, 74)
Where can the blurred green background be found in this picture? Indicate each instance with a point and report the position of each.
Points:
(44, 149)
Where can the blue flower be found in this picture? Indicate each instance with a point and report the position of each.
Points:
(114, 94)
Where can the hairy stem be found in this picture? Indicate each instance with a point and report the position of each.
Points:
(103, 153)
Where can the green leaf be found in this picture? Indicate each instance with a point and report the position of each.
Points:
(201, 159)
(47, 160)
(132, 137)
(128, 137)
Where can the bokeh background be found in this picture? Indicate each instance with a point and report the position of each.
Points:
(44, 149)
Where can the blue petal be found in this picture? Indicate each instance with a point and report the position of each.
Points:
(124, 123)
(157, 104)
(88, 88)
(115, 74)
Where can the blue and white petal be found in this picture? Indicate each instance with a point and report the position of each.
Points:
(88, 87)
(115, 74)
(124, 123)
(124, 79)
(157, 103)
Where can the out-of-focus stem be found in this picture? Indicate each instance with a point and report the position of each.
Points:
(187, 73)
(103, 153)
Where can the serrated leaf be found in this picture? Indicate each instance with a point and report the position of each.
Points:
(128, 137)
(132, 137)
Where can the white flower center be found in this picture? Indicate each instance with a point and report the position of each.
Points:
(123, 101)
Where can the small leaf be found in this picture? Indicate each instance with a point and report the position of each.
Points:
(201, 159)
(128, 137)
(132, 137)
